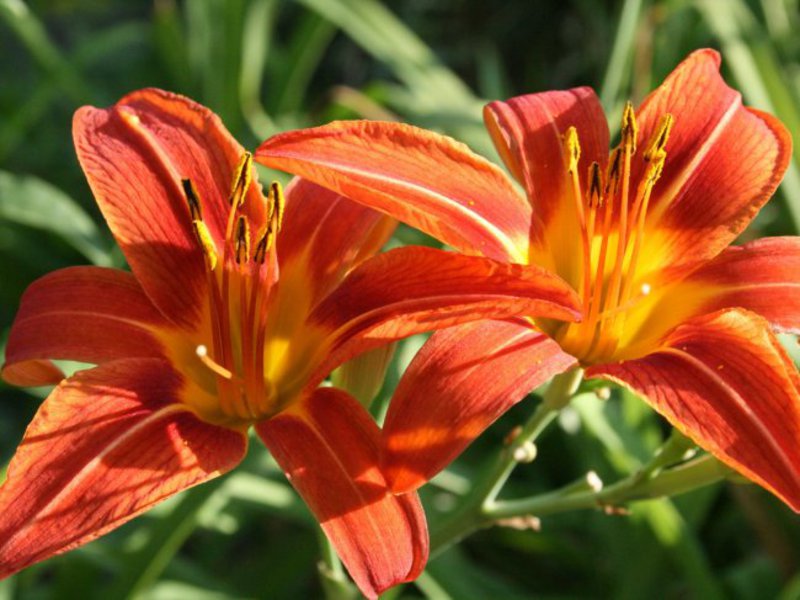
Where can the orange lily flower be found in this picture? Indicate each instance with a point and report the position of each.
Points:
(668, 310)
(238, 306)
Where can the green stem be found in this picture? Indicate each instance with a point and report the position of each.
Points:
(471, 515)
(691, 475)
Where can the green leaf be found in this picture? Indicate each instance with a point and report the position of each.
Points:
(30, 201)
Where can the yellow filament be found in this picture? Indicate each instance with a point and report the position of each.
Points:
(653, 173)
(572, 155)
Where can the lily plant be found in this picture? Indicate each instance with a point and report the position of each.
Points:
(237, 307)
(642, 233)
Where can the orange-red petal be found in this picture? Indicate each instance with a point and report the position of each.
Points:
(135, 154)
(87, 314)
(414, 289)
(458, 384)
(762, 276)
(527, 131)
(105, 446)
(421, 178)
(724, 161)
(726, 382)
(324, 235)
(328, 445)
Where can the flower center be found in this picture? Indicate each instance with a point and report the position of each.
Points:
(611, 218)
(240, 279)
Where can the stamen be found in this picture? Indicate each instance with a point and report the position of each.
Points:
(630, 130)
(241, 180)
(202, 354)
(572, 149)
(572, 155)
(659, 141)
(613, 173)
(263, 244)
(193, 199)
(242, 249)
(276, 205)
(595, 185)
(654, 171)
(206, 243)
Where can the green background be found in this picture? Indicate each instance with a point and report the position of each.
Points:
(270, 65)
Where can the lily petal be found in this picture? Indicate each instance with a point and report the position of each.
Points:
(328, 445)
(527, 131)
(107, 444)
(88, 314)
(135, 154)
(324, 235)
(724, 161)
(422, 178)
(458, 384)
(415, 289)
(726, 382)
(762, 276)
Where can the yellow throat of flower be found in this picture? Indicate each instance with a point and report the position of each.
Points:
(611, 219)
(240, 279)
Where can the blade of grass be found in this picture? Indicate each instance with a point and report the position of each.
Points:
(747, 53)
(30, 31)
(662, 517)
(257, 37)
(619, 64)
(307, 48)
(30, 201)
(382, 34)
(166, 536)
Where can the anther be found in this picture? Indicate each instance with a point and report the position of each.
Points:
(263, 244)
(276, 205)
(202, 354)
(655, 168)
(241, 180)
(630, 130)
(193, 199)
(242, 240)
(206, 243)
(572, 148)
(659, 141)
(614, 171)
(595, 185)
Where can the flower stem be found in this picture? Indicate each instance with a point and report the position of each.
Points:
(693, 474)
(480, 508)
(474, 510)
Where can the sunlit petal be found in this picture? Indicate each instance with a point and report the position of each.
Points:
(726, 382)
(107, 444)
(86, 314)
(462, 380)
(329, 448)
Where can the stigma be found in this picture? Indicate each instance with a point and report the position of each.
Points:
(611, 212)
(241, 270)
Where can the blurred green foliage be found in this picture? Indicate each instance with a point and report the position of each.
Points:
(268, 65)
